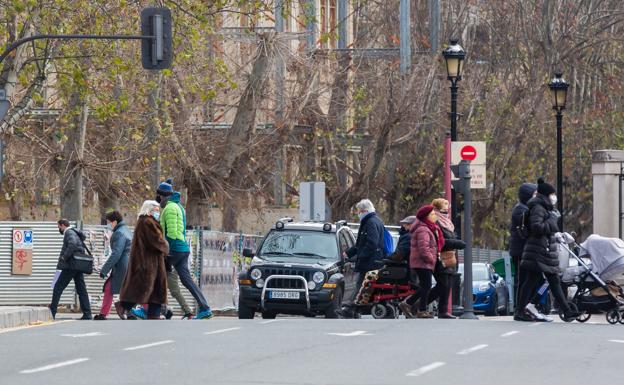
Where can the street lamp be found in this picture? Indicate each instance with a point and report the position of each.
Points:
(559, 93)
(454, 56)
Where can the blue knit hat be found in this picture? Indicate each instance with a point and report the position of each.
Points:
(165, 188)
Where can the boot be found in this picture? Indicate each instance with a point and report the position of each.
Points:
(406, 309)
(424, 314)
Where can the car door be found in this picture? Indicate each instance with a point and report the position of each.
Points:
(346, 241)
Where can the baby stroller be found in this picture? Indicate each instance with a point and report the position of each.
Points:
(383, 289)
(597, 290)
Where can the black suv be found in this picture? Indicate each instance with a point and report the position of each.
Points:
(299, 268)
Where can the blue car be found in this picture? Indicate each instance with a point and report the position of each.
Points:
(489, 291)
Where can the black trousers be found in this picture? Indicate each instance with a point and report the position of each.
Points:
(532, 280)
(424, 282)
(64, 279)
(441, 291)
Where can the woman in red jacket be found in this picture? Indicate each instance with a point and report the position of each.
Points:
(426, 244)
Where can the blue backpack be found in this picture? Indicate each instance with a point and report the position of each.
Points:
(388, 243)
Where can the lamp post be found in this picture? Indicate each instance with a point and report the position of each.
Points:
(559, 92)
(454, 56)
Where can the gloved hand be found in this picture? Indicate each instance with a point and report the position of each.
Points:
(102, 275)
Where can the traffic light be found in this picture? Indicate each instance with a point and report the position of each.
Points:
(156, 53)
(461, 171)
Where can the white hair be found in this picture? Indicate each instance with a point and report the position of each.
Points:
(365, 205)
(148, 207)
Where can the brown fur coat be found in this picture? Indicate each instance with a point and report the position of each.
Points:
(146, 278)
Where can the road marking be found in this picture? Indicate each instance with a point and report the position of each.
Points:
(472, 349)
(425, 369)
(149, 345)
(617, 341)
(511, 333)
(221, 331)
(54, 366)
(352, 334)
(271, 321)
(92, 334)
(536, 324)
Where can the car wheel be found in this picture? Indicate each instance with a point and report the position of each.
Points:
(269, 315)
(333, 311)
(244, 311)
(493, 310)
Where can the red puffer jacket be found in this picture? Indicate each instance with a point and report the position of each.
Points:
(424, 247)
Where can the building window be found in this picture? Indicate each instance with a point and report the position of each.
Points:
(329, 30)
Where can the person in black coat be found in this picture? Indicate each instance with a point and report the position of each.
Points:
(402, 251)
(368, 250)
(540, 256)
(517, 238)
(73, 242)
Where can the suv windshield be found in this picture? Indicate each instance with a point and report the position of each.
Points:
(299, 244)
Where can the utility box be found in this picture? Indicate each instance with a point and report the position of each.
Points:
(312, 201)
(608, 201)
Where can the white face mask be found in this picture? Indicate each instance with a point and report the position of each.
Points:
(553, 199)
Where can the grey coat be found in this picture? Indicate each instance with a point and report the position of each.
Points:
(72, 243)
(117, 263)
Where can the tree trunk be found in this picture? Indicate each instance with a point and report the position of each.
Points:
(71, 166)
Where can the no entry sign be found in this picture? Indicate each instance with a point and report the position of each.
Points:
(474, 152)
(468, 152)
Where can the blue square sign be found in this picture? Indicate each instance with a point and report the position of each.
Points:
(28, 236)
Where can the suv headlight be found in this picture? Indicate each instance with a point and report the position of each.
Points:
(260, 283)
(318, 277)
(255, 274)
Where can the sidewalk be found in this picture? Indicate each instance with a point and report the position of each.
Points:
(14, 316)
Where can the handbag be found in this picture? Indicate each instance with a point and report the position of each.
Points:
(82, 262)
(448, 258)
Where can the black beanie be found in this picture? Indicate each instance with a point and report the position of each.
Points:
(544, 188)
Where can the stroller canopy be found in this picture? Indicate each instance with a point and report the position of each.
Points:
(607, 255)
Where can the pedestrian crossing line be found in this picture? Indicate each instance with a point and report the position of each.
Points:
(221, 331)
(509, 334)
(472, 349)
(149, 345)
(54, 366)
(617, 341)
(271, 321)
(425, 369)
(352, 334)
(536, 324)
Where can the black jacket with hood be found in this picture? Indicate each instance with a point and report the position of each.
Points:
(72, 243)
(516, 241)
(543, 218)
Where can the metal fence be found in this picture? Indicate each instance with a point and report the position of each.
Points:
(484, 255)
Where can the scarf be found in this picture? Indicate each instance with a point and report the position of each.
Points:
(445, 220)
(437, 232)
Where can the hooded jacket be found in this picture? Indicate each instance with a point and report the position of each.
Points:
(173, 222)
(72, 244)
(516, 241)
(369, 246)
(537, 256)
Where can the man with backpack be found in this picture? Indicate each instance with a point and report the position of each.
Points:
(370, 248)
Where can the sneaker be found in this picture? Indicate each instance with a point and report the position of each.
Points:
(446, 316)
(406, 309)
(99, 317)
(139, 313)
(204, 314)
(188, 316)
(168, 314)
(537, 316)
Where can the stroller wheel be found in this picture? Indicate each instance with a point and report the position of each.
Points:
(379, 311)
(613, 316)
(584, 317)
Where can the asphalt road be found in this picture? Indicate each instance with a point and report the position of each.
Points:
(312, 351)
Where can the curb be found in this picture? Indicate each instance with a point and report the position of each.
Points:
(11, 317)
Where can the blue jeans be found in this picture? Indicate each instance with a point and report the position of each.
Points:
(179, 261)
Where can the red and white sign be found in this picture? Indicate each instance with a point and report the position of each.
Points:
(475, 153)
(468, 153)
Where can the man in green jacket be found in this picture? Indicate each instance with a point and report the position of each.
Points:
(173, 222)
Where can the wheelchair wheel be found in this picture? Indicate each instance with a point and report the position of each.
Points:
(613, 316)
(379, 311)
(622, 317)
(392, 312)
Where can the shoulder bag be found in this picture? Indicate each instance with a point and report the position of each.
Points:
(82, 262)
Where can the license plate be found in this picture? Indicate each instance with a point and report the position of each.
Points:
(284, 294)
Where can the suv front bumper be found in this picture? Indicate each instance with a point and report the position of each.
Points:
(320, 300)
